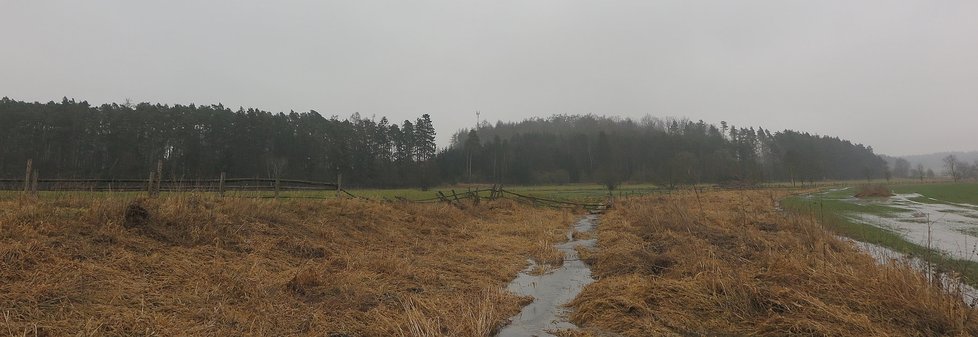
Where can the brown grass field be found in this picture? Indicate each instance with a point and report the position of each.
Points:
(716, 263)
(730, 264)
(211, 267)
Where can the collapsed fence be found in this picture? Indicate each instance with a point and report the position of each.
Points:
(497, 192)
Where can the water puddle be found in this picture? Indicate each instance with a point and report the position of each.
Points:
(951, 228)
(552, 290)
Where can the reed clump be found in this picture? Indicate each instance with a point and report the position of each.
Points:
(666, 266)
(873, 191)
(199, 265)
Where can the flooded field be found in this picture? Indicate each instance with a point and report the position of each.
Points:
(932, 229)
(948, 227)
(553, 289)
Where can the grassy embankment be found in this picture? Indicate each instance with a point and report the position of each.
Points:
(836, 214)
(729, 263)
(198, 265)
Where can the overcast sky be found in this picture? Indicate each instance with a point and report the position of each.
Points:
(901, 76)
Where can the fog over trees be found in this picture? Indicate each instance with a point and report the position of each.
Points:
(76, 140)
(569, 149)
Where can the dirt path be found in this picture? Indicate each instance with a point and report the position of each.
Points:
(552, 290)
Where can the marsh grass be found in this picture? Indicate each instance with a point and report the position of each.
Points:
(837, 216)
(740, 267)
(200, 265)
(873, 191)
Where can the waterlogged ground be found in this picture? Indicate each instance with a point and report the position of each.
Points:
(552, 290)
(942, 225)
(884, 255)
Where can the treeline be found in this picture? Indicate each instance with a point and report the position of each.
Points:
(569, 149)
(112, 141)
(124, 141)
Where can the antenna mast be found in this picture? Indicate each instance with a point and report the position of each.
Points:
(477, 113)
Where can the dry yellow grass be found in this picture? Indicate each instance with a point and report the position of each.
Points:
(205, 266)
(736, 266)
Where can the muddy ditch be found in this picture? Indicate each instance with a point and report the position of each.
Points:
(552, 290)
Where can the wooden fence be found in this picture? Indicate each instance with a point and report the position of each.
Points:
(154, 184)
(165, 185)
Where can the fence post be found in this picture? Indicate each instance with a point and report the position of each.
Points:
(149, 184)
(276, 187)
(159, 177)
(220, 186)
(34, 184)
(339, 184)
(27, 176)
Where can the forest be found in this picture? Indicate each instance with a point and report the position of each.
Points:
(562, 149)
(74, 139)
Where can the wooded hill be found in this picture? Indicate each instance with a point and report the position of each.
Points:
(76, 140)
(592, 148)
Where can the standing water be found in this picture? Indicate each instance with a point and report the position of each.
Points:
(948, 227)
(552, 290)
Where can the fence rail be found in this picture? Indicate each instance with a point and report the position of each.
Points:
(169, 185)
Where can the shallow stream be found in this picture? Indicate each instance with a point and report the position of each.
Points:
(552, 290)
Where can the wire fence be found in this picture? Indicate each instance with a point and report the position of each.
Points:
(165, 185)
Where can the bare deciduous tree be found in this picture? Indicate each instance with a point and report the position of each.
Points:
(951, 166)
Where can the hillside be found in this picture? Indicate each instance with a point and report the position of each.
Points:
(609, 150)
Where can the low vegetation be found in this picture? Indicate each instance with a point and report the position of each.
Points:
(195, 265)
(835, 212)
(684, 263)
(946, 192)
(729, 263)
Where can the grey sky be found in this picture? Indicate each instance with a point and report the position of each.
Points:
(901, 76)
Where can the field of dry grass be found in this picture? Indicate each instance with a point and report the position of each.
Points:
(728, 263)
(195, 265)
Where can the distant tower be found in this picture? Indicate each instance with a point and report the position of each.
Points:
(477, 113)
